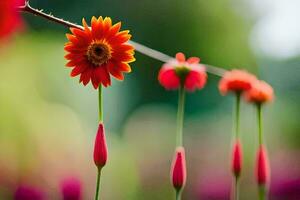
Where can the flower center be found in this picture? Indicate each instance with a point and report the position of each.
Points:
(182, 72)
(98, 53)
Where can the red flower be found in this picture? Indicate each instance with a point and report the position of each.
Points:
(236, 81)
(262, 166)
(98, 51)
(188, 73)
(260, 92)
(237, 157)
(10, 20)
(178, 170)
(100, 148)
(71, 189)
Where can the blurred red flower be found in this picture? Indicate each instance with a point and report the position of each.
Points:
(25, 192)
(181, 72)
(98, 51)
(236, 81)
(178, 170)
(10, 19)
(71, 189)
(261, 92)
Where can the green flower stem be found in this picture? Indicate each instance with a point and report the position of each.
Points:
(237, 188)
(98, 184)
(100, 104)
(237, 115)
(178, 194)
(237, 135)
(259, 120)
(262, 192)
(180, 116)
(100, 99)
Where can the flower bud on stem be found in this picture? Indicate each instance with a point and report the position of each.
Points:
(100, 148)
(178, 171)
(236, 164)
(262, 164)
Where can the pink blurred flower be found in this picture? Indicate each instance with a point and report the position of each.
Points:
(188, 73)
(71, 189)
(10, 19)
(178, 169)
(213, 187)
(25, 192)
(100, 148)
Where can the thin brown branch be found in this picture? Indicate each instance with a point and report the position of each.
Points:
(138, 47)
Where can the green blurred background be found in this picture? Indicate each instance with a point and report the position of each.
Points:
(48, 120)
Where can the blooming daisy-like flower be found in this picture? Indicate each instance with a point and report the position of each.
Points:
(236, 81)
(99, 51)
(10, 19)
(261, 92)
(181, 72)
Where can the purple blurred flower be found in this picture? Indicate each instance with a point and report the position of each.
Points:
(214, 188)
(25, 192)
(285, 189)
(71, 189)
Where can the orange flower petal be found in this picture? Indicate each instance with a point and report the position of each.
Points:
(114, 29)
(78, 70)
(180, 57)
(113, 69)
(193, 60)
(124, 67)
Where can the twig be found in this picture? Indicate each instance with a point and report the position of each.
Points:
(138, 47)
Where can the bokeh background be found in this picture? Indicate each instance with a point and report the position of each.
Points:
(48, 120)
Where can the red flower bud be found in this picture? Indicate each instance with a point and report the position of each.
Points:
(237, 158)
(178, 170)
(100, 149)
(262, 166)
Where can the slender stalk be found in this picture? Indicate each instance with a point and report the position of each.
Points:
(237, 188)
(100, 104)
(237, 115)
(180, 116)
(237, 135)
(98, 184)
(262, 192)
(138, 47)
(178, 194)
(100, 100)
(260, 128)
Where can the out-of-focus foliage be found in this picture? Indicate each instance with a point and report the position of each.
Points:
(48, 120)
